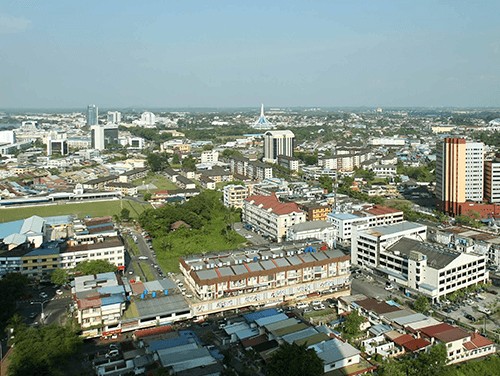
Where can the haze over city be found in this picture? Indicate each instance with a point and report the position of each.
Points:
(119, 54)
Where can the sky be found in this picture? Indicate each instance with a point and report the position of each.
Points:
(216, 53)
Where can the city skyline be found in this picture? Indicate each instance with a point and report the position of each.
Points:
(198, 55)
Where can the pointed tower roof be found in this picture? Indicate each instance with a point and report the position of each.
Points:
(262, 122)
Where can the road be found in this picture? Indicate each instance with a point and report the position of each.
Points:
(251, 236)
(54, 306)
(141, 267)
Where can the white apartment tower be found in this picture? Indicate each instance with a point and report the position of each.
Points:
(114, 117)
(474, 170)
(278, 143)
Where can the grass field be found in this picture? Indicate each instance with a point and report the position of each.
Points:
(160, 181)
(186, 241)
(93, 209)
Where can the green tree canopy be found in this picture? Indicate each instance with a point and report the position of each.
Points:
(157, 161)
(12, 286)
(45, 350)
(94, 267)
(59, 277)
(295, 360)
(421, 304)
(351, 325)
(125, 214)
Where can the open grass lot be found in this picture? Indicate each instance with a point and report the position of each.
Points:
(93, 209)
(160, 181)
(185, 242)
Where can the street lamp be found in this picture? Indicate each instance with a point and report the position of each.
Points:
(42, 316)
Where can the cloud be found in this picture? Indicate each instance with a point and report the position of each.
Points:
(11, 24)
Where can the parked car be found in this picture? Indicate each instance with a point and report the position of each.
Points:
(468, 316)
(59, 292)
(302, 305)
(43, 295)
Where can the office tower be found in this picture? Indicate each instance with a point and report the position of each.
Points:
(114, 117)
(278, 143)
(92, 114)
(103, 136)
(148, 118)
(492, 181)
(459, 173)
(57, 146)
(7, 137)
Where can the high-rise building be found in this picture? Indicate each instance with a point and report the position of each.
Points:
(492, 181)
(104, 135)
(57, 146)
(459, 173)
(92, 114)
(278, 143)
(114, 117)
(148, 118)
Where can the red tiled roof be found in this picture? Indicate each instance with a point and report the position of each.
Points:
(401, 340)
(416, 344)
(380, 307)
(254, 341)
(137, 288)
(431, 331)
(381, 210)
(153, 331)
(272, 202)
(88, 303)
(479, 341)
(469, 346)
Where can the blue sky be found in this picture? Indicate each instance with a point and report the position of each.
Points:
(120, 53)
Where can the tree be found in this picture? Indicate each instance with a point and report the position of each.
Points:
(326, 182)
(12, 286)
(59, 277)
(125, 214)
(45, 350)
(94, 267)
(421, 304)
(295, 360)
(189, 163)
(157, 161)
(350, 327)
(433, 361)
(147, 196)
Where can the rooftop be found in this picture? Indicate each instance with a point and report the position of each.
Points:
(394, 229)
(272, 202)
(437, 256)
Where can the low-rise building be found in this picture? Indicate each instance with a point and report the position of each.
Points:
(100, 301)
(234, 195)
(252, 277)
(321, 230)
(266, 214)
(110, 249)
(345, 223)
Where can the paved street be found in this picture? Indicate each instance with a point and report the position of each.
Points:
(251, 236)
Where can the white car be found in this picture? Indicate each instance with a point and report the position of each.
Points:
(316, 303)
(59, 292)
(318, 307)
(142, 258)
(389, 287)
(302, 305)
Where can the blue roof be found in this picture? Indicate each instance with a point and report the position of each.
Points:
(8, 228)
(113, 299)
(168, 343)
(251, 317)
(271, 319)
(43, 252)
(115, 289)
